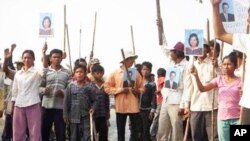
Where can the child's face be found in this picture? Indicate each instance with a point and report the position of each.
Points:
(98, 75)
(79, 74)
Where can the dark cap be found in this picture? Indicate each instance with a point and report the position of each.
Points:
(179, 46)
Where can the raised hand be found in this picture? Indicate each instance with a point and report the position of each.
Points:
(215, 2)
(7, 54)
(12, 47)
(193, 70)
(45, 47)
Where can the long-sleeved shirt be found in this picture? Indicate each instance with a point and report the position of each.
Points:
(25, 90)
(55, 80)
(175, 96)
(78, 101)
(102, 99)
(148, 98)
(124, 102)
(196, 100)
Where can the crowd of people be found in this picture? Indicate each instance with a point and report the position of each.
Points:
(199, 89)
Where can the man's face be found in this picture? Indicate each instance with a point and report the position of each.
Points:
(172, 76)
(225, 8)
(56, 59)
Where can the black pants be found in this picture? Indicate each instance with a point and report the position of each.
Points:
(7, 130)
(102, 128)
(51, 116)
(146, 123)
(121, 123)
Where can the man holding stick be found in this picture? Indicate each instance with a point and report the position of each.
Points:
(240, 42)
(199, 104)
(126, 98)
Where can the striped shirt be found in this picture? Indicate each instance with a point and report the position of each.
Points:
(56, 80)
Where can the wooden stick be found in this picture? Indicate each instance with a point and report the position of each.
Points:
(64, 29)
(213, 98)
(93, 41)
(132, 36)
(91, 127)
(208, 30)
(160, 27)
(222, 49)
(70, 63)
(243, 78)
(126, 69)
(186, 130)
(80, 42)
(133, 41)
(188, 119)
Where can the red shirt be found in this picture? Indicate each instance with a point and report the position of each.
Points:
(160, 84)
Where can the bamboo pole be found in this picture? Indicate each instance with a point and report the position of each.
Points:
(185, 138)
(208, 30)
(93, 41)
(132, 36)
(67, 33)
(126, 69)
(80, 43)
(213, 98)
(133, 41)
(243, 78)
(160, 27)
(222, 49)
(91, 127)
(64, 29)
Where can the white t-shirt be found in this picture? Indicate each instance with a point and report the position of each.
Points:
(241, 42)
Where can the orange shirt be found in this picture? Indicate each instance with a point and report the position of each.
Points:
(124, 102)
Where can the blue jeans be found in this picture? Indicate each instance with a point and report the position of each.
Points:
(224, 128)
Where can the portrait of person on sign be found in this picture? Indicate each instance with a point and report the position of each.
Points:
(226, 11)
(194, 43)
(132, 75)
(172, 78)
(46, 25)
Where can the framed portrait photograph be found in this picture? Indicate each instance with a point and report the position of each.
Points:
(46, 28)
(172, 78)
(194, 42)
(227, 11)
(132, 74)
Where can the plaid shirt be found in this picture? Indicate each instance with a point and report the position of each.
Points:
(103, 100)
(78, 101)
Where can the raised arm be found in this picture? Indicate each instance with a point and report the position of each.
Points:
(44, 57)
(7, 55)
(202, 88)
(219, 30)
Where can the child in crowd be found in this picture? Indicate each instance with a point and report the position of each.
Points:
(79, 103)
(102, 111)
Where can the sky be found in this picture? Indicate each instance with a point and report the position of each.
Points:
(20, 24)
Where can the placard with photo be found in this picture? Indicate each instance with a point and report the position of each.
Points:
(194, 42)
(172, 78)
(132, 75)
(46, 25)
